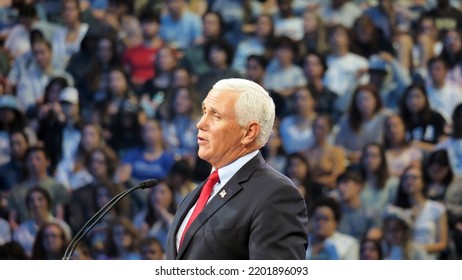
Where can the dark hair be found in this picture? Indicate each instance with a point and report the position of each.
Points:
(42, 191)
(382, 171)
(151, 240)
(35, 149)
(60, 81)
(457, 122)
(441, 158)
(193, 95)
(221, 21)
(452, 60)
(39, 40)
(151, 214)
(321, 58)
(351, 174)
(148, 14)
(286, 42)
(386, 140)
(38, 250)
(12, 251)
(327, 117)
(260, 59)
(23, 134)
(377, 245)
(300, 157)
(27, 10)
(436, 59)
(111, 247)
(220, 44)
(328, 202)
(424, 115)
(110, 156)
(402, 198)
(354, 115)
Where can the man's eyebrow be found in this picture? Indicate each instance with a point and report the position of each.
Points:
(210, 108)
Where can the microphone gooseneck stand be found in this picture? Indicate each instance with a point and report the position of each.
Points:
(101, 213)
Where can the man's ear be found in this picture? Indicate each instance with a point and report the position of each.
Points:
(251, 133)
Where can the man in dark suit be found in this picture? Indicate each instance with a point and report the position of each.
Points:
(252, 212)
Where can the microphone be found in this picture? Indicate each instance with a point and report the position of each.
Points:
(101, 213)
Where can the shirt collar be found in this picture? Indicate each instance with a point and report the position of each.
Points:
(228, 171)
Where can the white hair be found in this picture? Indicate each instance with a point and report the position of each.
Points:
(253, 105)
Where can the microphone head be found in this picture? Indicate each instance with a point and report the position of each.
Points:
(148, 183)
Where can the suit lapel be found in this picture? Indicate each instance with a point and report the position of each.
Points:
(181, 213)
(215, 203)
(227, 192)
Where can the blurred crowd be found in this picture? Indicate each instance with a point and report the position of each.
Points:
(97, 96)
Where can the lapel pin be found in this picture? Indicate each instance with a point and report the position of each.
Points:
(222, 193)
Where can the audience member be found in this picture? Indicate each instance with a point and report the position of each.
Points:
(139, 60)
(12, 172)
(380, 186)
(102, 163)
(274, 152)
(370, 249)
(424, 126)
(345, 70)
(155, 90)
(51, 242)
(453, 143)
(151, 160)
(179, 124)
(296, 128)
(398, 150)
(194, 56)
(60, 129)
(66, 39)
(37, 162)
(122, 241)
(257, 44)
(39, 203)
(298, 170)
(179, 27)
(357, 219)
(32, 82)
(151, 249)
(342, 12)
(430, 227)
(442, 94)
(443, 185)
(155, 219)
(219, 55)
(314, 33)
(283, 76)
(325, 242)
(398, 243)
(74, 173)
(286, 22)
(362, 124)
(452, 54)
(315, 67)
(12, 118)
(327, 161)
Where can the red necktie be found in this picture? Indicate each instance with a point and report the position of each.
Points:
(203, 198)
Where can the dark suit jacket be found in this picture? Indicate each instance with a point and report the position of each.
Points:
(262, 216)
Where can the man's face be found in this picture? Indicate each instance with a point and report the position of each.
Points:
(348, 189)
(37, 162)
(42, 54)
(219, 133)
